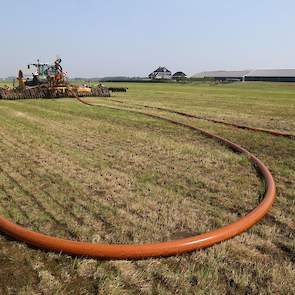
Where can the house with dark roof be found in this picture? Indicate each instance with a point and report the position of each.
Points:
(161, 73)
(179, 76)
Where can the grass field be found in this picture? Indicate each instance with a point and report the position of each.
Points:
(101, 175)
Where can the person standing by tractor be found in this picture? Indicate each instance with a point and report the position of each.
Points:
(59, 71)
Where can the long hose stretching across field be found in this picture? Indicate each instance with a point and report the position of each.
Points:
(138, 251)
(268, 131)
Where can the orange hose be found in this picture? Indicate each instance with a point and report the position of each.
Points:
(138, 251)
(269, 131)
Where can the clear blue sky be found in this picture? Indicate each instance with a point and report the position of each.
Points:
(132, 37)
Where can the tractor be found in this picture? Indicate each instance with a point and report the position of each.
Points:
(48, 81)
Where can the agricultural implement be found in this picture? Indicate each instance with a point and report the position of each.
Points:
(49, 81)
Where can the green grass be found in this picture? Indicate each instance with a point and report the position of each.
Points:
(260, 104)
(102, 175)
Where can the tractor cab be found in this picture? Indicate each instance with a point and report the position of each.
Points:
(42, 73)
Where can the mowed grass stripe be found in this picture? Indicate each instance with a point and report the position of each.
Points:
(44, 183)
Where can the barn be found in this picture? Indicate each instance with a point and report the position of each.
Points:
(178, 76)
(281, 75)
(223, 75)
(275, 75)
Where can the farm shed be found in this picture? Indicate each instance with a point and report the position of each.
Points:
(223, 75)
(275, 75)
(179, 76)
(281, 75)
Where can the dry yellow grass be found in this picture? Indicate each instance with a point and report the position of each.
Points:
(115, 177)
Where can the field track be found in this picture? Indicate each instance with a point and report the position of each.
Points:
(158, 249)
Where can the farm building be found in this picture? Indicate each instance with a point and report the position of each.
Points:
(161, 73)
(223, 75)
(282, 75)
(279, 75)
(179, 76)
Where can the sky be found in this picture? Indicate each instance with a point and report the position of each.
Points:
(98, 38)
